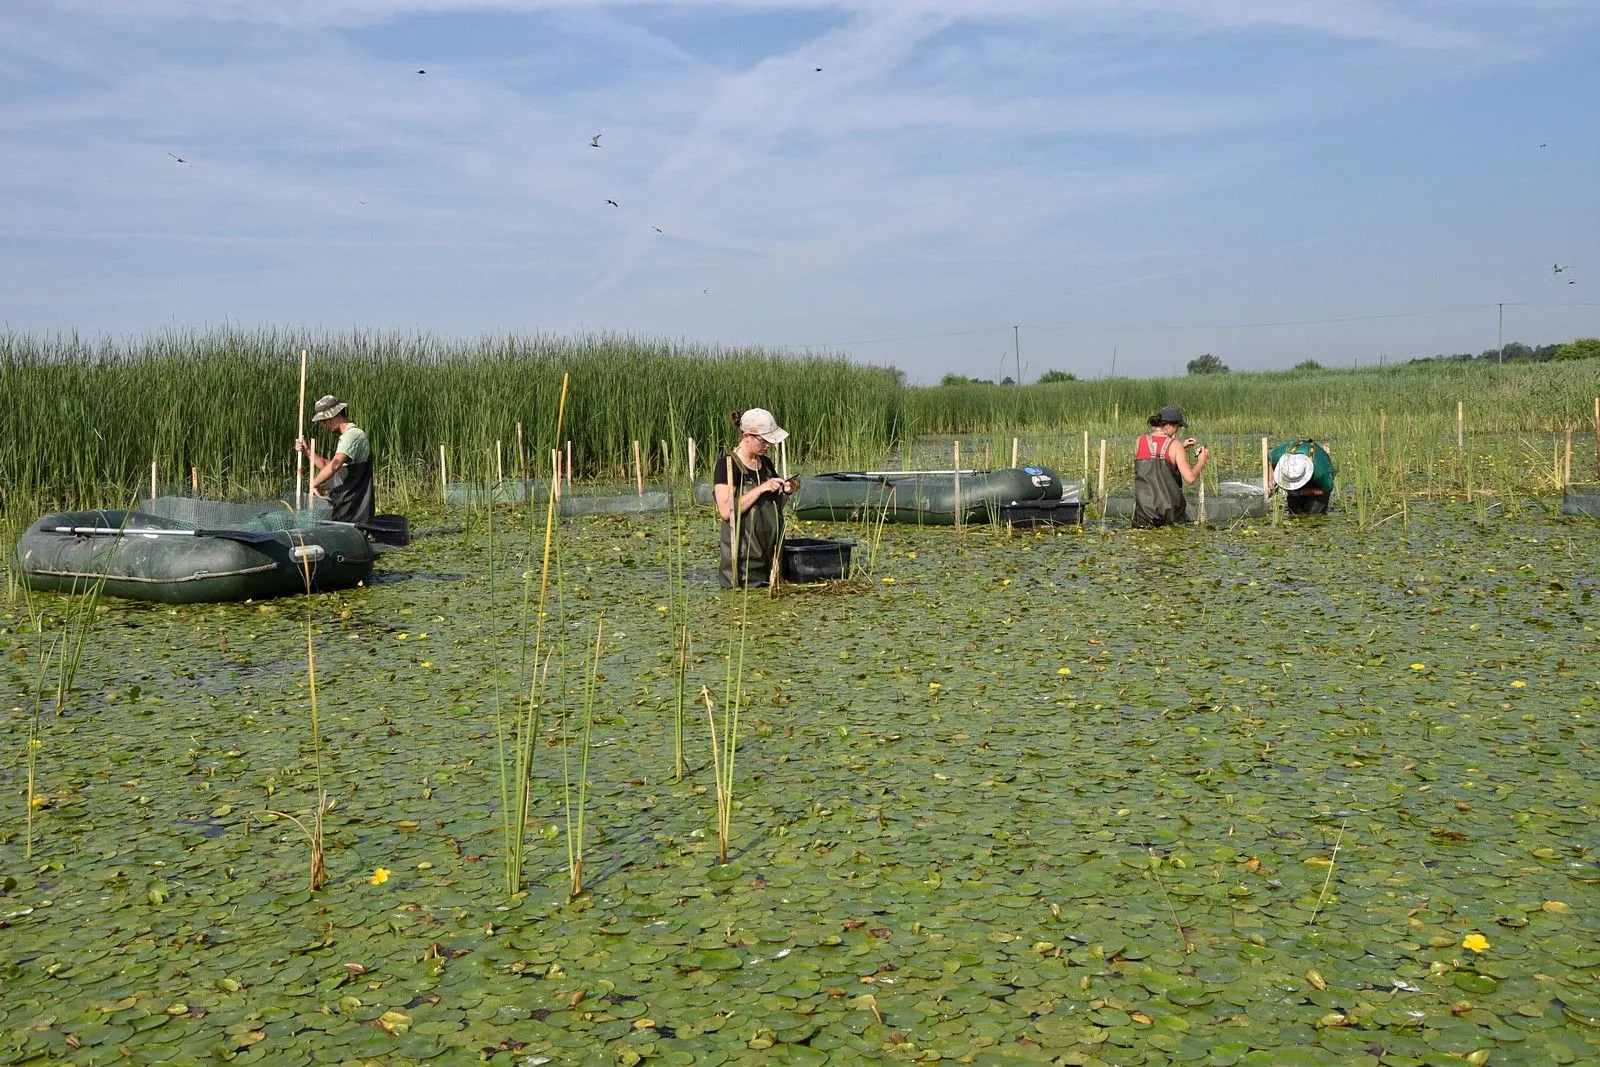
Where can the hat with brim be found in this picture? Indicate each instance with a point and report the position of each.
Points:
(760, 422)
(327, 408)
(1171, 413)
(1292, 471)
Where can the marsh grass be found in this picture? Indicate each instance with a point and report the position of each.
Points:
(575, 801)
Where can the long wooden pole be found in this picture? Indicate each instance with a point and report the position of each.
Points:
(1461, 425)
(1266, 470)
(1015, 448)
(444, 476)
(957, 466)
(522, 462)
(555, 472)
(638, 469)
(300, 457)
(194, 471)
(1597, 438)
(499, 466)
(566, 467)
(152, 481)
(691, 459)
(1566, 462)
(1086, 459)
(1100, 486)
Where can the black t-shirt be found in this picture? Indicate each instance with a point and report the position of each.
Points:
(746, 479)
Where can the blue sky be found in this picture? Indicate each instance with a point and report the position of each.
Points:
(1150, 178)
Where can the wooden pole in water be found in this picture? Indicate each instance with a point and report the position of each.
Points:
(638, 469)
(1566, 461)
(1266, 470)
(1383, 431)
(299, 456)
(194, 471)
(566, 468)
(666, 460)
(1100, 487)
(957, 466)
(1015, 450)
(499, 466)
(1116, 415)
(1461, 425)
(1086, 459)
(444, 476)
(522, 462)
(1597, 437)
(691, 459)
(1202, 516)
(555, 472)
(152, 481)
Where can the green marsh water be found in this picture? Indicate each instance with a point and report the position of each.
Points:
(1090, 797)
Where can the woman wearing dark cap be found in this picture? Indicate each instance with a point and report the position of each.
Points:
(1161, 469)
(746, 477)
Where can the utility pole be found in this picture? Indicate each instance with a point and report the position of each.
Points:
(1502, 336)
(1016, 350)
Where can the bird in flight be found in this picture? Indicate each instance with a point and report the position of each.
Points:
(594, 142)
(818, 70)
(1558, 267)
(613, 203)
(1544, 146)
(180, 159)
(705, 292)
(658, 229)
(422, 72)
(361, 201)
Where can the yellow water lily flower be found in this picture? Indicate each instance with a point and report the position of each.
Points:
(1063, 670)
(1519, 684)
(380, 875)
(1419, 666)
(1475, 942)
(427, 665)
(401, 636)
(935, 685)
(1006, 581)
(888, 581)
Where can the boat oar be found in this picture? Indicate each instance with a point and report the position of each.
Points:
(249, 537)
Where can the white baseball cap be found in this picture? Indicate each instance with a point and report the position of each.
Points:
(1292, 470)
(760, 422)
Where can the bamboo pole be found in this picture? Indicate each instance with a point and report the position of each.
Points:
(499, 466)
(638, 469)
(566, 468)
(152, 481)
(1266, 470)
(1566, 461)
(1015, 446)
(1202, 515)
(1100, 486)
(444, 476)
(194, 471)
(957, 466)
(1461, 425)
(522, 461)
(691, 459)
(1383, 431)
(1086, 459)
(299, 456)
(555, 472)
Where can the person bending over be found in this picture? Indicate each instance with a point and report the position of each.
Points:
(1304, 471)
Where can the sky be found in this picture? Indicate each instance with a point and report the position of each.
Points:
(1128, 183)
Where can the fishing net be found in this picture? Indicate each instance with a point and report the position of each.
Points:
(1231, 501)
(1582, 500)
(650, 502)
(512, 491)
(259, 515)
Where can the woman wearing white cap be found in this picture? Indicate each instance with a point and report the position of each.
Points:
(750, 496)
(346, 477)
(1304, 471)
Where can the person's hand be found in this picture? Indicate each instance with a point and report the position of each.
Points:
(772, 485)
(302, 445)
(792, 484)
(1190, 442)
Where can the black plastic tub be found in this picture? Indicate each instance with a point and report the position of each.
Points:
(815, 559)
(1029, 513)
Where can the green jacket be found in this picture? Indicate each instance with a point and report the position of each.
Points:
(1322, 470)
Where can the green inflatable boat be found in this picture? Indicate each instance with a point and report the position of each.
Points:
(151, 557)
(930, 498)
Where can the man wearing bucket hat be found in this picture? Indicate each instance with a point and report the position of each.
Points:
(1161, 469)
(1304, 471)
(750, 497)
(348, 475)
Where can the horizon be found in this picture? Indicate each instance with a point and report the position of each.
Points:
(1351, 180)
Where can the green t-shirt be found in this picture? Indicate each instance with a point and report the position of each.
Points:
(354, 444)
(1321, 463)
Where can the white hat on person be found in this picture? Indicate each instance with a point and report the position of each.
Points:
(760, 422)
(1293, 470)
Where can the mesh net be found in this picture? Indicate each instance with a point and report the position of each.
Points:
(1582, 500)
(653, 500)
(260, 515)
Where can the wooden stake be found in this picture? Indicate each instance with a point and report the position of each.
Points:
(1597, 438)
(691, 459)
(958, 484)
(1266, 469)
(194, 472)
(555, 472)
(1086, 459)
(1566, 462)
(152, 481)
(1116, 415)
(666, 460)
(1383, 431)
(566, 468)
(638, 469)
(1461, 425)
(522, 462)
(444, 476)
(783, 459)
(299, 456)
(1015, 445)
(499, 467)
(1100, 487)
(1202, 515)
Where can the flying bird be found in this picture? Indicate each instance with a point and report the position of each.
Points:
(817, 70)
(1558, 267)
(1544, 146)
(422, 72)
(658, 229)
(705, 292)
(613, 203)
(1572, 281)
(180, 159)
(361, 201)
(594, 142)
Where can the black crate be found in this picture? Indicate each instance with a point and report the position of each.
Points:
(815, 559)
(1029, 513)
